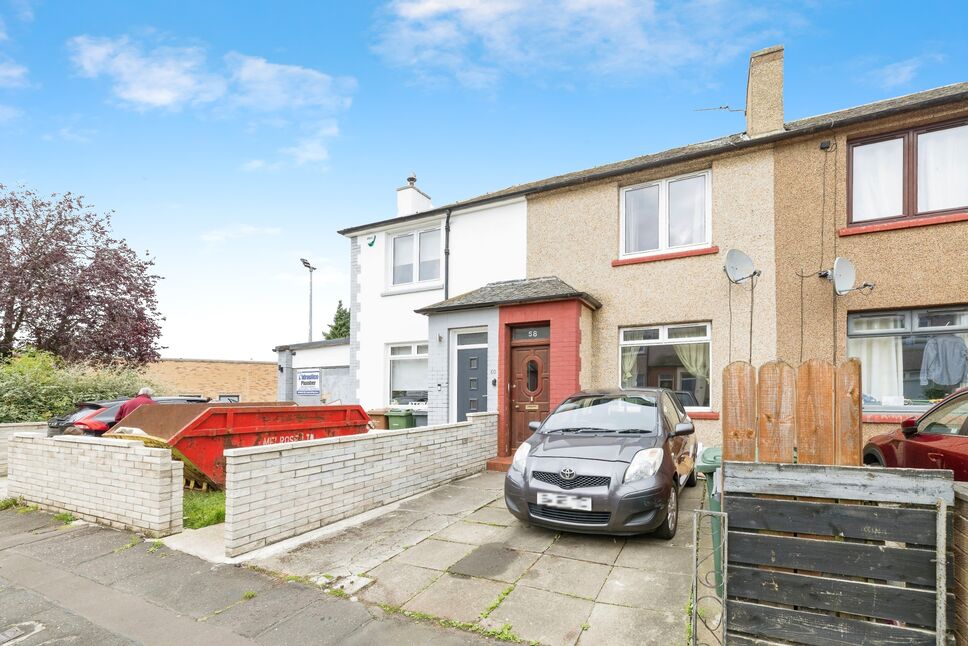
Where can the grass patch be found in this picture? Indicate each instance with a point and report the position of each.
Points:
(155, 546)
(127, 546)
(65, 517)
(336, 592)
(26, 509)
(7, 503)
(203, 508)
(248, 595)
(504, 633)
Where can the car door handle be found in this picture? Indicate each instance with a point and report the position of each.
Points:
(936, 457)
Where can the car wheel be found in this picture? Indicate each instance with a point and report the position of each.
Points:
(691, 482)
(667, 529)
(873, 460)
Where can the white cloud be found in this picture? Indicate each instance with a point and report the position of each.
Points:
(24, 9)
(9, 113)
(902, 72)
(312, 148)
(12, 74)
(71, 134)
(238, 231)
(163, 77)
(264, 86)
(477, 43)
(3, 30)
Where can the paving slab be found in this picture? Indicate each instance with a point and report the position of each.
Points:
(471, 533)
(396, 583)
(434, 554)
(567, 576)
(495, 561)
(499, 503)
(585, 547)
(656, 558)
(131, 561)
(71, 548)
(325, 621)
(459, 598)
(15, 522)
(450, 500)
(268, 608)
(484, 480)
(644, 589)
(622, 626)
(492, 516)
(538, 615)
(400, 631)
(527, 538)
(178, 588)
(55, 625)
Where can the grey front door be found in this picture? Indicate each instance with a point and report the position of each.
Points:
(471, 382)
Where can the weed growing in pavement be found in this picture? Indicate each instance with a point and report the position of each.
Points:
(337, 592)
(248, 595)
(155, 546)
(585, 627)
(26, 509)
(504, 633)
(135, 539)
(7, 503)
(494, 604)
(65, 517)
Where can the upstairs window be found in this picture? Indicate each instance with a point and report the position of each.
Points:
(668, 214)
(416, 257)
(911, 173)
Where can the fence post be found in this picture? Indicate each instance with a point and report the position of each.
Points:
(849, 434)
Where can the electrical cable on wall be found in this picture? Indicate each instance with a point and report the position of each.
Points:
(752, 290)
(729, 299)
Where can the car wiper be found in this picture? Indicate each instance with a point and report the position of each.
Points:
(636, 430)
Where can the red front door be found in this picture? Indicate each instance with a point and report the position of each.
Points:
(530, 390)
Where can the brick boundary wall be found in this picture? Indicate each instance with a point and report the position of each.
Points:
(9, 430)
(120, 483)
(278, 491)
(959, 538)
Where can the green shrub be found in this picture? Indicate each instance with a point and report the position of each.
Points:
(35, 385)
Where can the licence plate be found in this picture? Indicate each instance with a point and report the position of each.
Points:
(565, 501)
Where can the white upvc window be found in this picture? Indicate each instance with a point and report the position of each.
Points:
(407, 370)
(676, 357)
(415, 257)
(666, 215)
(911, 358)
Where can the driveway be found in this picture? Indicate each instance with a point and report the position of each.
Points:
(456, 554)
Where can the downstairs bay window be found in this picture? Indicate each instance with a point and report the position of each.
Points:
(408, 374)
(909, 359)
(668, 356)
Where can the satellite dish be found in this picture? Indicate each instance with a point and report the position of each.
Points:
(844, 276)
(739, 266)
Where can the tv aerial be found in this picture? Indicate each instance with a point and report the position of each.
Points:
(739, 267)
(843, 276)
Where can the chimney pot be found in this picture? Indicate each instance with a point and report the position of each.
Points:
(764, 92)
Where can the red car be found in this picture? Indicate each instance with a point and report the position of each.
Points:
(936, 440)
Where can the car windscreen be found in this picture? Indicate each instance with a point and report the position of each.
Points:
(626, 413)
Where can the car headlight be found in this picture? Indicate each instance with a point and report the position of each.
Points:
(645, 464)
(520, 457)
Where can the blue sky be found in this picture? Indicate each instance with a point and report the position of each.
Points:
(231, 139)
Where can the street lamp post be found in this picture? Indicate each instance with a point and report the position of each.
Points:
(311, 270)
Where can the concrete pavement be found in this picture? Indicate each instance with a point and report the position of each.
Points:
(90, 585)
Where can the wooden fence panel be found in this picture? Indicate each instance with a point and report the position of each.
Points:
(847, 408)
(776, 394)
(739, 412)
(815, 412)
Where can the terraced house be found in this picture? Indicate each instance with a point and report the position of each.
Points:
(614, 276)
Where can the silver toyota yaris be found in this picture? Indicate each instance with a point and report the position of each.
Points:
(608, 462)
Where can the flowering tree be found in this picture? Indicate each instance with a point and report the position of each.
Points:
(68, 287)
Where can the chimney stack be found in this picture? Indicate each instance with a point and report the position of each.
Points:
(411, 199)
(764, 92)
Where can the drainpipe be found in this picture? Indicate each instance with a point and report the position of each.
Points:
(447, 256)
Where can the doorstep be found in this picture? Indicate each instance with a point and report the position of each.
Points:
(501, 463)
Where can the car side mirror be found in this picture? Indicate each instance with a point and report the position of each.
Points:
(909, 427)
(534, 426)
(684, 428)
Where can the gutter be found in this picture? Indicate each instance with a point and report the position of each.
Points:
(740, 143)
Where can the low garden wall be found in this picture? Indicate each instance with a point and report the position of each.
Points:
(121, 483)
(277, 491)
(960, 545)
(8, 430)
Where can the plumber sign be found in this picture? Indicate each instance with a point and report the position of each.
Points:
(307, 382)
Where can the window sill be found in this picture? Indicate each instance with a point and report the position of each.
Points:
(705, 251)
(702, 414)
(412, 289)
(909, 223)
